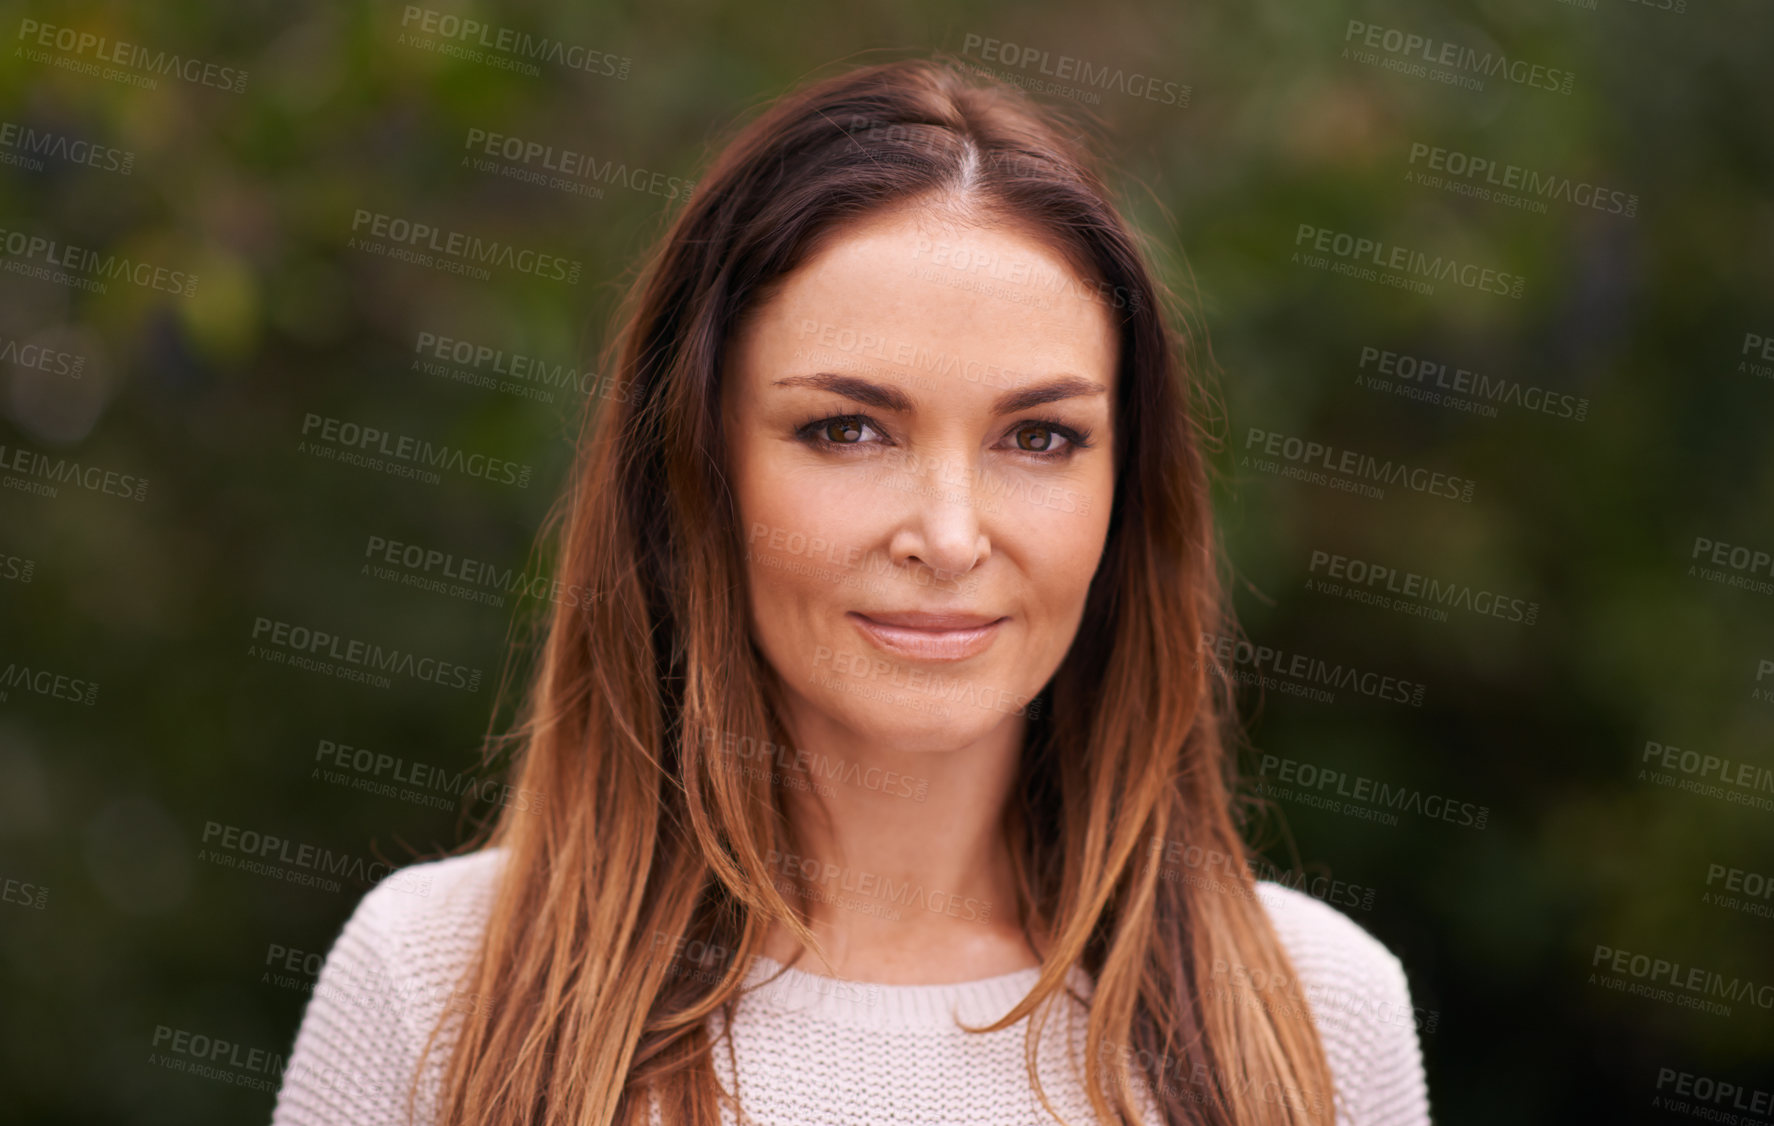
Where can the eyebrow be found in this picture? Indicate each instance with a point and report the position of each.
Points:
(882, 397)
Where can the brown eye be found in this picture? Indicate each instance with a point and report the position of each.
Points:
(1045, 434)
(846, 426)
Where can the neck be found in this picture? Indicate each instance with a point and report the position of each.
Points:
(902, 867)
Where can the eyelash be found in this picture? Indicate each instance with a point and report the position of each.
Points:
(1076, 439)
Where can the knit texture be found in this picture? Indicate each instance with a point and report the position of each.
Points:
(813, 1050)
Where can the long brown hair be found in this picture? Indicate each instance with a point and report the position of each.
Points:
(640, 843)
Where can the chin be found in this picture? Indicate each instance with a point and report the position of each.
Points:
(921, 725)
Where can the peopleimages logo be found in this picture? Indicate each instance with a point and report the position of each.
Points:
(1174, 855)
(368, 446)
(1733, 565)
(51, 361)
(1483, 173)
(212, 1057)
(66, 471)
(386, 775)
(37, 256)
(1372, 260)
(46, 683)
(34, 896)
(103, 49)
(504, 48)
(25, 145)
(1370, 799)
(1424, 56)
(348, 658)
(1066, 68)
(1028, 280)
(510, 372)
(263, 853)
(1694, 982)
(456, 251)
(1361, 580)
(1709, 1090)
(1304, 674)
(579, 173)
(1749, 892)
(912, 354)
(822, 874)
(16, 568)
(876, 670)
(436, 571)
(1712, 776)
(870, 563)
(792, 761)
(1348, 470)
(1435, 381)
(1761, 347)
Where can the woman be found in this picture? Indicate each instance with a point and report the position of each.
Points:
(888, 717)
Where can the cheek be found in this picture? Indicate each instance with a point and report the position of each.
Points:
(797, 541)
(1061, 536)
(804, 567)
(1063, 564)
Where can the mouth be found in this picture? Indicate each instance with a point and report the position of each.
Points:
(929, 637)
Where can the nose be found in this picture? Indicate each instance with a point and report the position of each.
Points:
(941, 528)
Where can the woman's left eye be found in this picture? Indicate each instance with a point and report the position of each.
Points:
(1043, 434)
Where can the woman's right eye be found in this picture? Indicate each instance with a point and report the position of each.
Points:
(838, 430)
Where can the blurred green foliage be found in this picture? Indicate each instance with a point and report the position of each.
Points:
(255, 191)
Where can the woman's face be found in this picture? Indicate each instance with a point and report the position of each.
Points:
(919, 426)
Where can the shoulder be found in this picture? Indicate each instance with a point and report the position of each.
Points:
(431, 913)
(398, 964)
(1329, 948)
(1359, 996)
(418, 931)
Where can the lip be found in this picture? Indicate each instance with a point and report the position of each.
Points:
(929, 637)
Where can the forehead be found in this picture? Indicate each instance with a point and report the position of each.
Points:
(912, 292)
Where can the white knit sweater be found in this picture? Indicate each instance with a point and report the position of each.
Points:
(814, 1050)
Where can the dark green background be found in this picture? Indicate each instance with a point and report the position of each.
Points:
(254, 192)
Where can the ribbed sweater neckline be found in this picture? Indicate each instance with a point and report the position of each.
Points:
(883, 1005)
